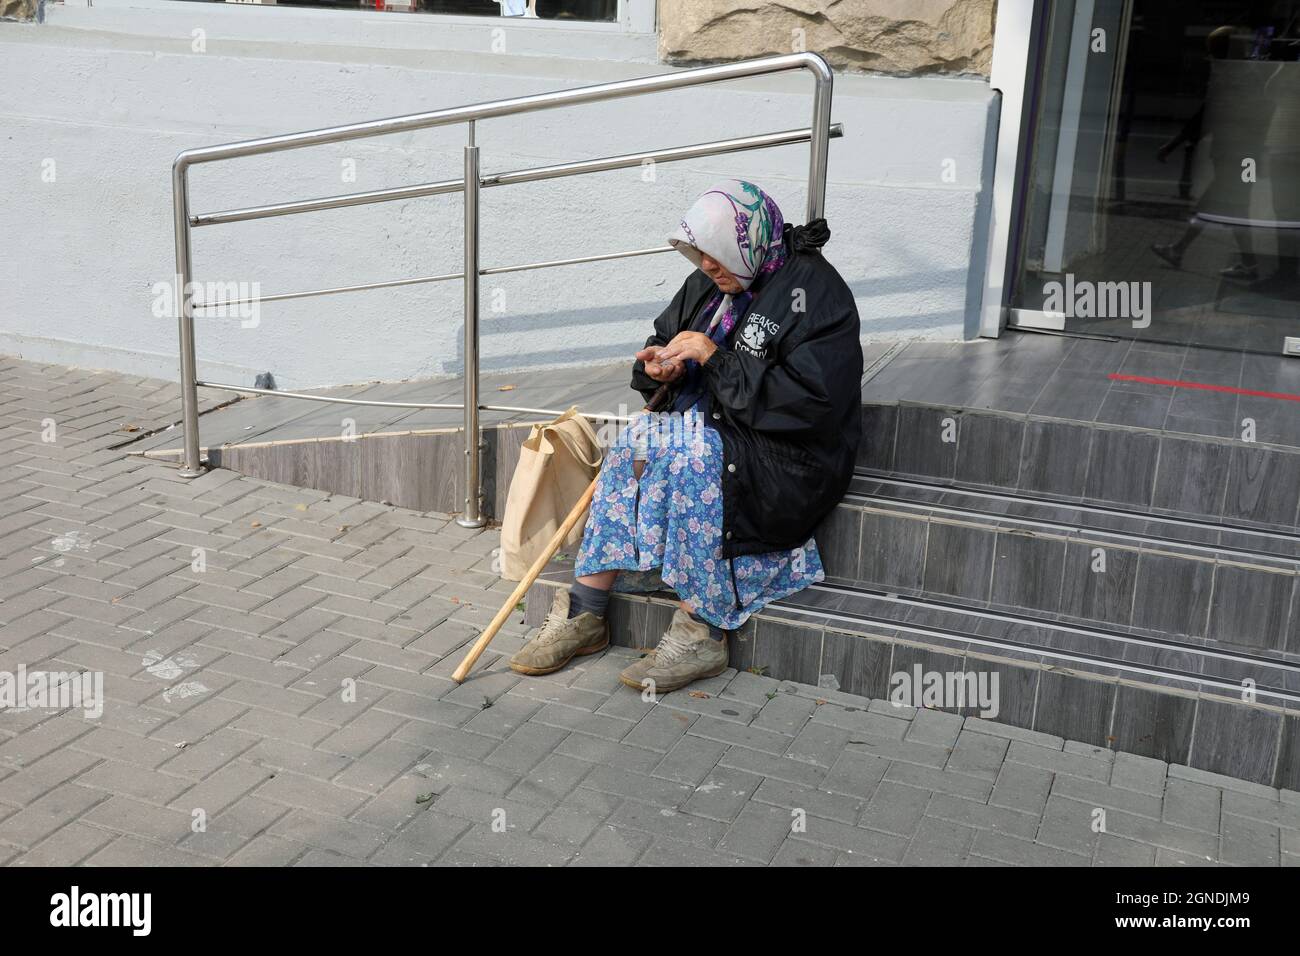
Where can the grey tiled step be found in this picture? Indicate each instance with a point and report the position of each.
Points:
(1051, 562)
(1192, 667)
(423, 469)
(412, 458)
(1108, 689)
(1244, 484)
(1117, 520)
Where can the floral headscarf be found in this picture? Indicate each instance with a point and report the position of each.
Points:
(741, 227)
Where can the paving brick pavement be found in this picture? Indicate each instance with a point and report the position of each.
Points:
(276, 671)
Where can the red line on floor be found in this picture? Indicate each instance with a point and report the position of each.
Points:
(1203, 386)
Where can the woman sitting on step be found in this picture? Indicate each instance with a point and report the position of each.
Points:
(717, 498)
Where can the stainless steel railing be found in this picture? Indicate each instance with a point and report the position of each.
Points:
(817, 134)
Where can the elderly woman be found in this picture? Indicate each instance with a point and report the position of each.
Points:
(718, 498)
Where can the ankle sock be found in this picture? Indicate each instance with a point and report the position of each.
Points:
(716, 633)
(583, 598)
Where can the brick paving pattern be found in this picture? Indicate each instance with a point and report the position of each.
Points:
(277, 669)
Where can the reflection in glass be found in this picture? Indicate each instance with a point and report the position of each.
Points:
(1166, 161)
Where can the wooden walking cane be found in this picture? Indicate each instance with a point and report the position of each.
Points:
(543, 559)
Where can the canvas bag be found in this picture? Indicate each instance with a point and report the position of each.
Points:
(558, 461)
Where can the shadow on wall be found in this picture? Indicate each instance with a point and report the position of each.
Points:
(645, 313)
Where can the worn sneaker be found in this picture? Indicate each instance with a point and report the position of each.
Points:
(685, 654)
(635, 672)
(561, 639)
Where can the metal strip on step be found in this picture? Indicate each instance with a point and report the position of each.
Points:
(1157, 545)
(1199, 680)
(1053, 626)
(1097, 633)
(879, 364)
(887, 478)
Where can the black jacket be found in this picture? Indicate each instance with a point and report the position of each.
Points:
(786, 399)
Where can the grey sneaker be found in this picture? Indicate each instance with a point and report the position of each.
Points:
(685, 654)
(561, 639)
(634, 672)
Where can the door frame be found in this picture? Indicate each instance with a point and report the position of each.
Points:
(1013, 75)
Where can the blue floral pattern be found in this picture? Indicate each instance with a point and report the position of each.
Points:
(665, 529)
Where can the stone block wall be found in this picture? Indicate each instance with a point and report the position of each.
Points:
(911, 37)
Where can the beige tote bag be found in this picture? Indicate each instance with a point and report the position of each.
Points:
(556, 464)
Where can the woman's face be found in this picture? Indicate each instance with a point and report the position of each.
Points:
(716, 271)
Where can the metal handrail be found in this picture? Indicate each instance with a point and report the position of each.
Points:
(391, 283)
(534, 174)
(499, 179)
(817, 134)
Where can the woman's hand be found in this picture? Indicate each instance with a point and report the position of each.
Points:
(656, 368)
(688, 345)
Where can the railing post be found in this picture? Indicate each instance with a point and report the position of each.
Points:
(191, 464)
(473, 516)
(819, 143)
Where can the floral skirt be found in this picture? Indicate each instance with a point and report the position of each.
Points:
(665, 529)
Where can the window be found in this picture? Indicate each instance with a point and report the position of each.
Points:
(598, 11)
(1163, 195)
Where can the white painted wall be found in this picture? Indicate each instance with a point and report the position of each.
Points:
(111, 93)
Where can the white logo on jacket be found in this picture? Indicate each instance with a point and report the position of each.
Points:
(755, 333)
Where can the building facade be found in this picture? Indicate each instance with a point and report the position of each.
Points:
(1123, 169)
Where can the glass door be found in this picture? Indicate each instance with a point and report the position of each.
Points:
(1162, 190)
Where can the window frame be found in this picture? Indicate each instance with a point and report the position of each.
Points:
(635, 17)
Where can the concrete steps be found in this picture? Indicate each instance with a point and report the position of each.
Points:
(1116, 553)
(1145, 470)
(1178, 701)
(1164, 578)
(1129, 586)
